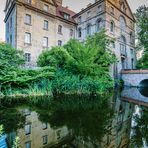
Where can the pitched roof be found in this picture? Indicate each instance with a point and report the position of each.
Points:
(60, 10)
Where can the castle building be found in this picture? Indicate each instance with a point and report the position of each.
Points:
(35, 25)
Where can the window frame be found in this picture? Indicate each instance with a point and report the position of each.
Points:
(46, 8)
(28, 1)
(45, 139)
(28, 38)
(47, 43)
(27, 132)
(46, 26)
(30, 19)
(27, 57)
(112, 27)
(60, 28)
(59, 43)
(28, 142)
(100, 8)
(79, 32)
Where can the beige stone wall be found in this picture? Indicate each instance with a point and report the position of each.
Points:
(37, 133)
(39, 4)
(36, 30)
(65, 35)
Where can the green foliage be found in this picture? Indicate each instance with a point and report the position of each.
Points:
(1, 130)
(16, 143)
(9, 57)
(81, 67)
(142, 22)
(16, 80)
(66, 82)
(140, 129)
(143, 62)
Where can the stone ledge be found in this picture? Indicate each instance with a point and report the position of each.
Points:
(134, 71)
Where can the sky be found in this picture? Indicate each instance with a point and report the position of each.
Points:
(75, 5)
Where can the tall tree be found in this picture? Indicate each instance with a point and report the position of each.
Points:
(142, 23)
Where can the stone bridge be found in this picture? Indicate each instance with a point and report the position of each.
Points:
(135, 95)
(136, 78)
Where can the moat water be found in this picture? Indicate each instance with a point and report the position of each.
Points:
(115, 120)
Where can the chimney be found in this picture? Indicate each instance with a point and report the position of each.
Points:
(59, 2)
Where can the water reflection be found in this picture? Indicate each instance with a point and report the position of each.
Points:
(143, 91)
(77, 122)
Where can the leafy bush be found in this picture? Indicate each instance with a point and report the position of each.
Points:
(81, 67)
(16, 80)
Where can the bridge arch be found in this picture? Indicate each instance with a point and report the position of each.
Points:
(143, 83)
(136, 78)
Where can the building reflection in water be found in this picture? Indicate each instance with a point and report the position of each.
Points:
(90, 123)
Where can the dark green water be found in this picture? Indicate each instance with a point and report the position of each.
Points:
(116, 120)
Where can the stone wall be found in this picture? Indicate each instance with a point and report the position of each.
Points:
(134, 77)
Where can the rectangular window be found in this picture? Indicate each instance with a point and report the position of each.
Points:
(28, 19)
(27, 57)
(99, 8)
(60, 29)
(112, 10)
(28, 1)
(59, 43)
(79, 19)
(7, 26)
(66, 16)
(44, 126)
(27, 112)
(59, 134)
(45, 42)
(45, 140)
(132, 52)
(28, 144)
(28, 38)
(10, 39)
(113, 44)
(45, 25)
(28, 129)
(46, 7)
(88, 14)
(71, 32)
(10, 22)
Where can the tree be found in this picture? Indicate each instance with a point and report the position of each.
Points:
(91, 58)
(81, 66)
(10, 57)
(142, 23)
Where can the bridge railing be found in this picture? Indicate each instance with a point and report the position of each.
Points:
(134, 71)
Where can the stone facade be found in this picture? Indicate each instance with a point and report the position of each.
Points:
(118, 21)
(38, 11)
(115, 16)
(36, 134)
(134, 77)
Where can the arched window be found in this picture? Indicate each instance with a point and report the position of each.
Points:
(79, 32)
(131, 37)
(112, 26)
(123, 45)
(88, 29)
(98, 24)
(122, 23)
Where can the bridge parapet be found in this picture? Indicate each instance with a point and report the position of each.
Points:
(140, 71)
(134, 77)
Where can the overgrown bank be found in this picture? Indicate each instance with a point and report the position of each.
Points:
(73, 68)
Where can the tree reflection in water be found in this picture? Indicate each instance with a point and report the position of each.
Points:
(139, 137)
(87, 117)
